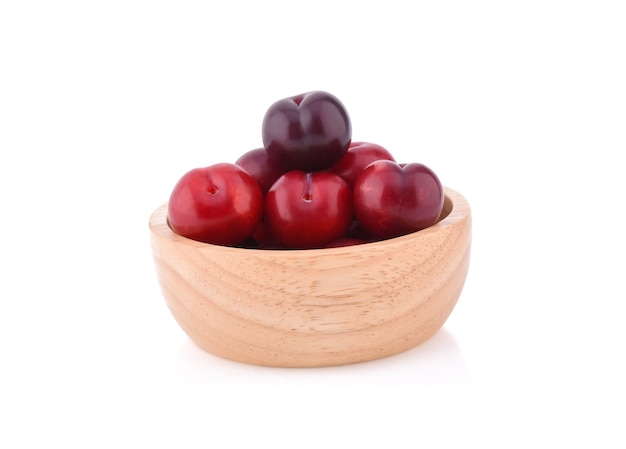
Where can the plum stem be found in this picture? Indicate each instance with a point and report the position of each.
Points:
(307, 195)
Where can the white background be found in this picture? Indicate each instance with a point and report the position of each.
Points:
(520, 106)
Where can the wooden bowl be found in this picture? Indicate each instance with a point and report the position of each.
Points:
(316, 307)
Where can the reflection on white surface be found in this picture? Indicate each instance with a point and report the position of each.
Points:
(437, 361)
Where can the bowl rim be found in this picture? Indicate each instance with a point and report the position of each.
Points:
(459, 210)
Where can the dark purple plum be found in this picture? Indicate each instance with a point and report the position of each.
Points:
(307, 132)
(262, 168)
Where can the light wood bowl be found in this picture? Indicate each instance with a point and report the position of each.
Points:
(315, 307)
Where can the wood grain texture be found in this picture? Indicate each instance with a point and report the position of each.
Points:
(321, 307)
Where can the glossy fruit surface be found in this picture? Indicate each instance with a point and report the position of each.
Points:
(359, 156)
(308, 210)
(262, 168)
(307, 132)
(392, 200)
(220, 204)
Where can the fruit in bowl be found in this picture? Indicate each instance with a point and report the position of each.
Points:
(220, 204)
(308, 210)
(392, 200)
(307, 132)
(312, 250)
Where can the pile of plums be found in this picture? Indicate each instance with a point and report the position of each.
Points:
(308, 186)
